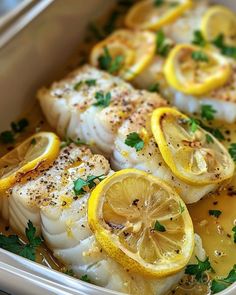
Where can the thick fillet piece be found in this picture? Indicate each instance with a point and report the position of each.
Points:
(149, 158)
(61, 217)
(69, 107)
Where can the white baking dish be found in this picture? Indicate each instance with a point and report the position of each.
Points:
(36, 40)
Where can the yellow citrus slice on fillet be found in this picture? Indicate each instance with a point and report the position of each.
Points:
(35, 153)
(219, 20)
(196, 71)
(193, 154)
(141, 223)
(124, 53)
(154, 14)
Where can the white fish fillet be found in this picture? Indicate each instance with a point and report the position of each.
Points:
(50, 202)
(107, 128)
(222, 99)
(182, 30)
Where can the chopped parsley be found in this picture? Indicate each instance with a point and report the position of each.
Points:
(154, 87)
(8, 136)
(158, 2)
(198, 39)
(199, 269)
(214, 131)
(159, 227)
(13, 244)
(85, 278)
(135, 141)
(19, 126)
(78, 85)
(234, 232)
(103, 99)
(232, 151)
(109, 64)
(162, 46)
(181, 208)
(226, 50)
(91, 82)
(209, 139)
(69, 272)
(219, 285)
(200, 56)
(33, 141)
(193, 124)
(208, 112)
(215, 213)
(68, 141)
(80, 183)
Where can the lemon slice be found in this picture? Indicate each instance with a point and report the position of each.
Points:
(219, 20)
(141, 223)
(192, 154)
(130, 52)
(35, 153)
(196, 71)
(153, 14)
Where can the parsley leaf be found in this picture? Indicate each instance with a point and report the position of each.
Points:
(207, 112)
(209, 139)
(135, 141)
(69, 272)
(200, 56)
(226, 50)
(16, 127)
(158, 2)
(219, 285)
(198, 39)
(68, 141)
(198, 269)
(214, 131)
(193, 124)
(85, 278)
(19, 126)
(91, 82)
(162, 47)
(215, 213)
(232, 151)
(159, 227)
(234, 231)
(181, 208)
(7, 137)
(107, 63)
(103, 99)
(80, 183)
(154, 87)
(13, 244)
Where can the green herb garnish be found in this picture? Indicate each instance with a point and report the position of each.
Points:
(80, 183)
(208, 112)
(69, 272)
(107, 63)
(158, 2)
(181, 208)
(103, 99)
(219, 285)
(85, 278)
(7, 137)
(215, 213)
(19, 126)
(198, 39)
(200, 56)
(232, 151)
(234, 232)
(13, 244)
(198, 269)
(67, 141)
(193, 124)
(209, 139)
(135, 141)
(91, 82)
(154, 87)
(226, 50)
(159, 227)
(162, 46)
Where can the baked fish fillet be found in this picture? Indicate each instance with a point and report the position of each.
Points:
(128, 112)
(61, 217)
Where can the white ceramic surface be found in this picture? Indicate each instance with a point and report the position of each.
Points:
(33, 49)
